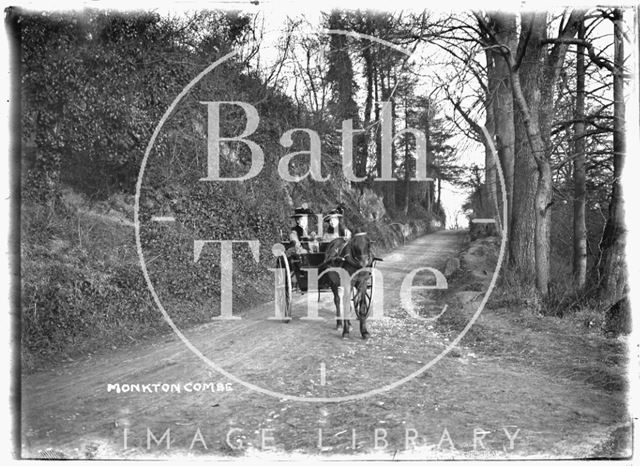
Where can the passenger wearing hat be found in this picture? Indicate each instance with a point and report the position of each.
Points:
(335, 229)
(301, 215)
(295, 250)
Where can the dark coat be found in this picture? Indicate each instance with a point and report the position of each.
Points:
(299, 231)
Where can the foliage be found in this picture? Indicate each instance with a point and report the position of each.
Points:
(88, 109)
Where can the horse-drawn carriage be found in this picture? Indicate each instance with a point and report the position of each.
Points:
(352, 254)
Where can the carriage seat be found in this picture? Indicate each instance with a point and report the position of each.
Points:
(305, 242)
(313, 259)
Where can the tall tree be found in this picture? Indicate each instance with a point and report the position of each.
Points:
(579, 173)
(490, 164)
(612, 266)
(369, 66)
(527, 82)
(501, 101)
(408, 165)
(340, 75)
(534, 73)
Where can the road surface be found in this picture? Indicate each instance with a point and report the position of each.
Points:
(132, 403)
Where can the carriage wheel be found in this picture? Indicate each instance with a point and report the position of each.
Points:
(283, 289)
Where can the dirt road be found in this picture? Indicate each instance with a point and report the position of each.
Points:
(470, 404)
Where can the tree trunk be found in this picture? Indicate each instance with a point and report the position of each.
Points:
(544, 196)
(502, 102)
(490, 177)
(427, 134)
(427, 196)
(543, 191)
(407, 162)
(612, 267)
(378, 132)
(340, 75)
(579, 175)
(529, 77)
(390, 186)
(534, 96)
(369, 71)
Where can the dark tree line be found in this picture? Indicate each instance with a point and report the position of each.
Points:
(358, 75)
(554, 106)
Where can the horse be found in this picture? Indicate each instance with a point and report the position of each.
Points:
(351, 255)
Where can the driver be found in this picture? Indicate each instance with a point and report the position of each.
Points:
(298, 234)
(300, 231)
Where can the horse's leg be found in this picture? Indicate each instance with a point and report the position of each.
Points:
(363, 328)
(336, 301)
(342, 309)
(362, 316)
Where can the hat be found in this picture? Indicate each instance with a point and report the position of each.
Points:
(301, 212)
(333, 213)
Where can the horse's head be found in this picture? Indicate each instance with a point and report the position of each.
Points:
(361, 255)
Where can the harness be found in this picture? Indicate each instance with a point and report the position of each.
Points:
(348, 258)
